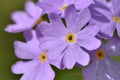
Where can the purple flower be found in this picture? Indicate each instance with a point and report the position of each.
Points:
(37, 66)
(101, 15)
(69, 40)
(107, 18)
(116, 14)
(103, 67)
(59, 6)
(25, 20)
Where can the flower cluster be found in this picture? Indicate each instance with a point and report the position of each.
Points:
(73, 33)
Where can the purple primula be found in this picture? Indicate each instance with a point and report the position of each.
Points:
(68, 40)
(25, 20)
(103, 67)
(37, 64)
(107, 16)
(101, 14)
(116, 14)
(59, 6)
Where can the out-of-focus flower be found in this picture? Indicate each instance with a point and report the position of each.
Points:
(25, 20)
(116, 14)
(68, 40)
(101, 14)
(103, 67)
(107, 16)
(59, 6)
(37, 66)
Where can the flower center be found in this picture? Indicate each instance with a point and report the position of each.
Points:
(116, 19)
(70, 38)
(39, 21)
(43, 57)
(64, 7)
(100, 54)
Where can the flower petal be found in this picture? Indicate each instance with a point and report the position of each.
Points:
(46, 42)
(47, 72)
(100, 12)
(69, 57)
(86, 37)
(107, 31)
(23, 22)
(24, 67)
(15, 28)
(81, 56)
(116, 7)
(90, 31)
(33, 10)
(48, 8)
(53, 3)
(57, 62)
(76, 21)
(101, 75)
(82, 4)
(90, 72)
(70, 17)
(49, 30)
(113, 69)
(33, 71)
(32, 74)
(43, 72)
(90, 44)
(28, 50)
(112, 48)
(83, 18)
(56, 20)
(57, 51)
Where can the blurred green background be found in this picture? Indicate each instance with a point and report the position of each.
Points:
(7, 57)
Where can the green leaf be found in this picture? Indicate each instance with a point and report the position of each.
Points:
(73, 74)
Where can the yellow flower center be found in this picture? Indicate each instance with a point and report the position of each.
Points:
(39, 21)
(43, 57)
(64, 7)
(70, 38)
(116, 19)
(100, 54)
